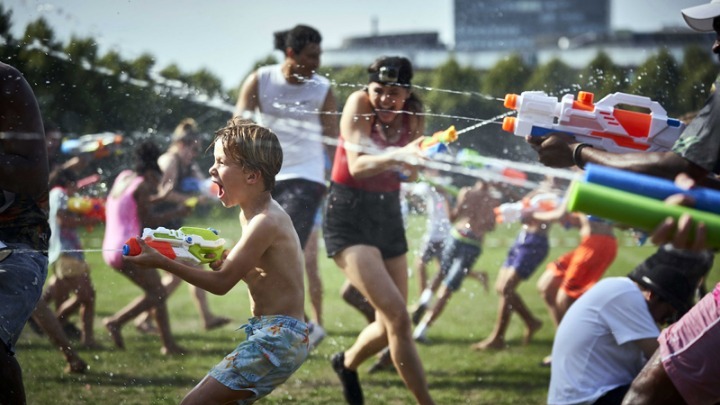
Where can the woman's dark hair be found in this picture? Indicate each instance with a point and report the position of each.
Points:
(146, 157)
(296, 38)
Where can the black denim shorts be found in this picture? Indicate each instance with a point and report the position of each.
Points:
(301, 199)
(357, 217)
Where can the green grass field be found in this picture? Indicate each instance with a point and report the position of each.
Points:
(141, 375)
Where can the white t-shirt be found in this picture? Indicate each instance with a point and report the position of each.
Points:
(436, 210)
(594, 349)
(58, 200)
(292, 112)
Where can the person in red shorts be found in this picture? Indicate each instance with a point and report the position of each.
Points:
(573, 273)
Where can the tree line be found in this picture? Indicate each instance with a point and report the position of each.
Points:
(85, 92)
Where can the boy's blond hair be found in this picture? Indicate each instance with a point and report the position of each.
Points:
(253, 147)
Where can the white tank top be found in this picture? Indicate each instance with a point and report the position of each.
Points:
(293, 111)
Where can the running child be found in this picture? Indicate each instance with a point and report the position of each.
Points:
(267, 257)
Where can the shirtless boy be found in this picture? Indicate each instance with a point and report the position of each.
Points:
(267, 258)
(472, 217)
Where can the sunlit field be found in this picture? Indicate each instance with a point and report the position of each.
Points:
(142, 375)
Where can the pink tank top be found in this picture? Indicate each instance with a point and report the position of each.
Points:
(121, 218)
(384, 182)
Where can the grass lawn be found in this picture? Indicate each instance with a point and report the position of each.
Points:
(141, 375)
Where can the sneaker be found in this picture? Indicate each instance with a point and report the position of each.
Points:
(418, 314)
(315, 335)
(421, 338)
(349, 379)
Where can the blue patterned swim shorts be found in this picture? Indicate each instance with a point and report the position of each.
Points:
(275, 348)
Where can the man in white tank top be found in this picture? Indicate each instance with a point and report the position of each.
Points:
(298, 105)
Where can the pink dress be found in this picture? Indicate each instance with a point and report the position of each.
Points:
(122, 222)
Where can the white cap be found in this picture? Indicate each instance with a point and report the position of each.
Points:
(700, 18)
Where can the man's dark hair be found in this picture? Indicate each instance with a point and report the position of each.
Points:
(296, 38)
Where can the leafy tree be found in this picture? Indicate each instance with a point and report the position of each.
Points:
(8, 44)
(206, 81)
(507, 76)
(172, 72)
(141, 67)
(40, 31)
(455, 95)
(603, 77)
(658, 78)
(698, 73)
(114, 62)
(555, 78)
(82, 49)
(346, 80)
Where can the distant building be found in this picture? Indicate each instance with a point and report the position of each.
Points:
(488, 31)
(523, 25)
(416, 40)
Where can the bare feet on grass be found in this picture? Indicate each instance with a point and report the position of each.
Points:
(216, 322)
(489, 344)
(146, 327)
(114, 332)
(530, 330)
(76, 366)
(173, 350)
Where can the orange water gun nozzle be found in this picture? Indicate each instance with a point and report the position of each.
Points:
(509, 124)
(511, 101)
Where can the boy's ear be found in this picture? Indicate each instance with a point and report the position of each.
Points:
(252, 177)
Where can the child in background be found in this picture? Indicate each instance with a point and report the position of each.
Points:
(472, 218)
(128, 210)
(529, 250)
(67, 262)
(438, 225)
(267, 257)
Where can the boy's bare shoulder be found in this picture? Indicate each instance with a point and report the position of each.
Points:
(274, 219)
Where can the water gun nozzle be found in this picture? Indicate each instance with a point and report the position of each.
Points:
(511, 101)
(508, 124)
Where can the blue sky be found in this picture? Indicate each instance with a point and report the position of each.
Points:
(227, 37)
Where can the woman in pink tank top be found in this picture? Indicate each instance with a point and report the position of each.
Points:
(129, 208)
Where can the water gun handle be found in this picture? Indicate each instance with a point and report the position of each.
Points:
(649, 186)
(637, 211)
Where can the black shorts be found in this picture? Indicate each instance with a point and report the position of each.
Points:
(301, 199)
(356, 217)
